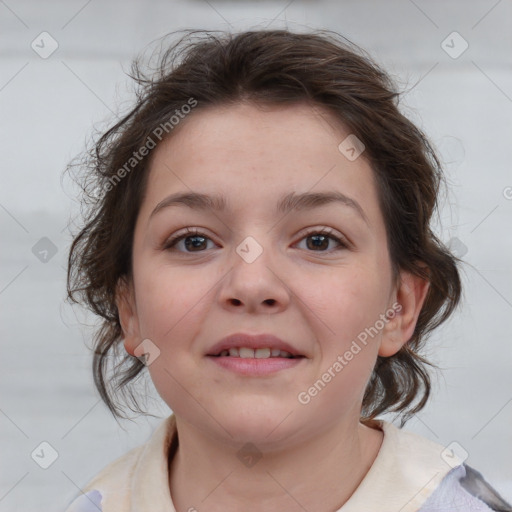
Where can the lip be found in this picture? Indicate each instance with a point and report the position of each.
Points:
(254, 342)
(256, 367)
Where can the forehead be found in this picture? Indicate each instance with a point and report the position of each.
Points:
(255, 154)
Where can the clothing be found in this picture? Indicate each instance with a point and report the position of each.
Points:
(408, 475)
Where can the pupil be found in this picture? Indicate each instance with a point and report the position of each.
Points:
(319, 241)
(196, 244)
(316, 238)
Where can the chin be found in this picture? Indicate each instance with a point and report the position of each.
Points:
(258, 427)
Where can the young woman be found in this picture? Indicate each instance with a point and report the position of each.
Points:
(260, 241)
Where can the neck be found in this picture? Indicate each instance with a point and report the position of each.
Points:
(320, 473)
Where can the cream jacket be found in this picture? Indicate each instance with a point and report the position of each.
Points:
(409, 474)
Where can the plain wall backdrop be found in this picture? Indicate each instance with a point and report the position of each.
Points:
(454, 60)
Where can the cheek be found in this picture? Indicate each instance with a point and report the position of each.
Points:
(350, 300)
(171, 306)
(348, 307)
(168, 299)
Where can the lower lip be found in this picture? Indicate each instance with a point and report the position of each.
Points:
(254, 366)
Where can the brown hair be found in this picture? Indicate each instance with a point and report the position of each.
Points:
(274, 67)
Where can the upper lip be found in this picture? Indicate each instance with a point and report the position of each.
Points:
(252, 341)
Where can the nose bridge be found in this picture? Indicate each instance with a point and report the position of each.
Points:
(254, 280)
(253, 260)
(250, 250)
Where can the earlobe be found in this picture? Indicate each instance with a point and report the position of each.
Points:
(127, 311)
(411, 295)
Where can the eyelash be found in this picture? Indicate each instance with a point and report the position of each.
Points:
(170, 243)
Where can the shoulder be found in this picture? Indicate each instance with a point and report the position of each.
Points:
(466, 489)
(415, 474)
(461, 488)
(111, 480)
(125, 481)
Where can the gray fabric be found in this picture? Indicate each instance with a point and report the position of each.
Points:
(466, 490)
(476, 485)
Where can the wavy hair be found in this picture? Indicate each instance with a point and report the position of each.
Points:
(275, 67)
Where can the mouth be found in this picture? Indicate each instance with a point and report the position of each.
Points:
(258, 353)
(254, 346)
(259, 362)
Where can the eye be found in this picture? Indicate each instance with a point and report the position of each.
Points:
(194, 240)
(320, 239)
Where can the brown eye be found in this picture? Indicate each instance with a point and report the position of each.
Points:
(319, 241)
(194, 241)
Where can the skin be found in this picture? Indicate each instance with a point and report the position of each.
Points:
(321, 299)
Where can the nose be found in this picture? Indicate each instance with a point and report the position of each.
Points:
(254, 286)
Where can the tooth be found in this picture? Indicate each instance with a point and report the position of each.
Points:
(246, 353)
(259, 353)
(262, 353)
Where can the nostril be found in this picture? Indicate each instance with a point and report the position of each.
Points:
(270, 302)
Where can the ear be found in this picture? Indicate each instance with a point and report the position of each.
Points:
(127, 310)
(410, 295)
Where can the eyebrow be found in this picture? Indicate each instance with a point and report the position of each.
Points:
(289, 202)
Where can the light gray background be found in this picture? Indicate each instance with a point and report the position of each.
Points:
(48, 108)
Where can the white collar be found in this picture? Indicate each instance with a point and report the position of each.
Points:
(406, 471)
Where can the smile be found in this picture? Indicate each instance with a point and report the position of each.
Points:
(258, 353)
(255, 363)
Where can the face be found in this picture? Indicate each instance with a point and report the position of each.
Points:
(316, 276)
